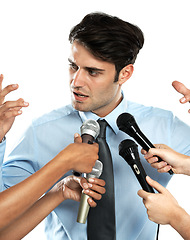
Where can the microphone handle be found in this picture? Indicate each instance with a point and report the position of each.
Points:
(86, 138)
(141, 175)
(146, 144)
(83, 208)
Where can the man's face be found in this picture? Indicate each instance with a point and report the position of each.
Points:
(92, 82)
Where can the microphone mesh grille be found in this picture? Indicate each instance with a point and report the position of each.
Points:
(90, 127)
(96, 170)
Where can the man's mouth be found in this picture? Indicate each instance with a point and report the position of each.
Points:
(80, 96)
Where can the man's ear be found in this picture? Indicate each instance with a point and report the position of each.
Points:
(125, 73)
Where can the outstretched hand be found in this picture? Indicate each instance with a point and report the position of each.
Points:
(181, 88)
(10, 109)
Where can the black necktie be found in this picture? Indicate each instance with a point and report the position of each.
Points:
(101, 219)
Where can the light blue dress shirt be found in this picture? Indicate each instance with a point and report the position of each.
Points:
(49, 134)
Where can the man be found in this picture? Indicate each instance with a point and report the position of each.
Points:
(103, 51)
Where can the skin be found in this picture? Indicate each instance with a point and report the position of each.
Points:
(92, 82)
(181, 88)
(24, 208)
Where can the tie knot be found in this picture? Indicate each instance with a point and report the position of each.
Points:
(103, 124)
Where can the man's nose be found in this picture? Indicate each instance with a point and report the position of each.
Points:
(78, 78)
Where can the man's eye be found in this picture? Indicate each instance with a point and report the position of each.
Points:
(73, 67)
(93, 73)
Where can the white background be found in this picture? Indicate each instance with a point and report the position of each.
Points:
(34, 49)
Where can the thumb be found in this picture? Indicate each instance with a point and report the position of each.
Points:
(155, 184)
(77, 138)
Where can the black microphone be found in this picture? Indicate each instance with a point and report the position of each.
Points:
(90, 129)
(127, 124)
(128, 149)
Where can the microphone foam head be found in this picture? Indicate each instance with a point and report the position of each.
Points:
(128, 149)
(90, 127)
(96, 170)
(126, 123)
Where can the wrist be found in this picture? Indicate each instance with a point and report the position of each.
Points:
(57, 192)
(180, 222)
(60, 165)
(186, 166)
(63, 161)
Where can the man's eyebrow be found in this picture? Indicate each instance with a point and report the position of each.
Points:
(94, 69)
(88, 68)
(71, 61)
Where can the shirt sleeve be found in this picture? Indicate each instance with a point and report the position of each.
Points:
(22, 162)
(2, 153)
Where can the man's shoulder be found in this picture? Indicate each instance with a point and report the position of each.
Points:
(67, 112)
(141, 110)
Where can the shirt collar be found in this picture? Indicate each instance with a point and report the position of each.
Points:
(110, 118)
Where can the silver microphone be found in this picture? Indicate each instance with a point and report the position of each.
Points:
(90, 129)
(84, 206)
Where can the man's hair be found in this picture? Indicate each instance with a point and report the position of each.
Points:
(109, 39)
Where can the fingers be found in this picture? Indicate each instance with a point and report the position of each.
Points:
(166, 169)
(161, 151)
(7, 90)
(155, 184)
(153, 160)
(14, 104)
(94, 189)
(10, 113)
(150, 156)
(143, 194)
(157, 146)
(12, 108)
(181, 88)
(143, 151)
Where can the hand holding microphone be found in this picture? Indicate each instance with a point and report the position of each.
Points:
(127, 124)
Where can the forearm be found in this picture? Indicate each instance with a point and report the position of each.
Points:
(17, 199)
(31, 218)
(180, 221)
